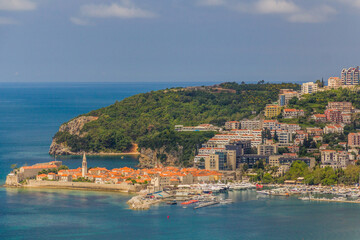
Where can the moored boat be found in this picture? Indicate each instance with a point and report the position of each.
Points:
(189, 202)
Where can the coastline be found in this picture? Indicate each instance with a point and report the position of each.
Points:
(69, 188)
(112, 154)
(103, 154)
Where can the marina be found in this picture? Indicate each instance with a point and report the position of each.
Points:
(206, 195)
(201, 195)
(317, 194)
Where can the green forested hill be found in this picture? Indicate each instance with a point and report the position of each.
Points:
(316, 103)
(150, 117)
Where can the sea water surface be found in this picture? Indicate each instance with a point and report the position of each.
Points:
(30, 114)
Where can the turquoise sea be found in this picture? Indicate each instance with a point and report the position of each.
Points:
(30, 114)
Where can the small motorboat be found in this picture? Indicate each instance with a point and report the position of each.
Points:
(171, 202)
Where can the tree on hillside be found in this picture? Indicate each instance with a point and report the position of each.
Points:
(259, 164)
(276, 137)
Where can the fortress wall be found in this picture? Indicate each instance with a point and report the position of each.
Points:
(12, 180)
(85, 185)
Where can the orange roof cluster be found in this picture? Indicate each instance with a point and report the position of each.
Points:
(320, 115)
(125, 174)
(269, 121)
(292, 110)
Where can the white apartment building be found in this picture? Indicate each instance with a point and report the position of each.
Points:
(335, 159)
(333, 128)
(309, 87)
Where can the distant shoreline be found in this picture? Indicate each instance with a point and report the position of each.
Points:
(112, 154)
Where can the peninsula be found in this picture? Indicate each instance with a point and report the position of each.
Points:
(148, 120)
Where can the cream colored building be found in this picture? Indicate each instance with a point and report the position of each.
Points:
(267, 149)
(309, 87)
(274, 160)
(220, 161)
(334, 82)
(212, 162)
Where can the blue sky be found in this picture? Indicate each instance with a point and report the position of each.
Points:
(177, 40)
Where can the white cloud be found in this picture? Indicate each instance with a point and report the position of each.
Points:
(79, 21)
(275, 6)
(7, 21)
(17, 5)
(126, 10)
(286, 9)
(316, 15)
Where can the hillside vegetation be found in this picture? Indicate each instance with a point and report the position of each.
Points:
(317, 102)
(149, 118)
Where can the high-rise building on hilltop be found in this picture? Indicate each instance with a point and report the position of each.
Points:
(350, 76)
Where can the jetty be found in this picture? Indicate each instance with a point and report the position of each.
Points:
(206, 204)
(334, 200)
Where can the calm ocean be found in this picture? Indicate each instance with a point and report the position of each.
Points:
(30, 114)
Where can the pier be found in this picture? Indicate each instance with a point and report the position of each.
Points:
(206, 204)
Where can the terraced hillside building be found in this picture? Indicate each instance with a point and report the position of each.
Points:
(354, 139)
(341, 106)
(232, 125)
(251, 124)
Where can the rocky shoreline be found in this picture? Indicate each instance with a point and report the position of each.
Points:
(74, 127)
(139, 203)
(147, 157)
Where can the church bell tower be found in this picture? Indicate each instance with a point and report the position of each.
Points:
(84, 166)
